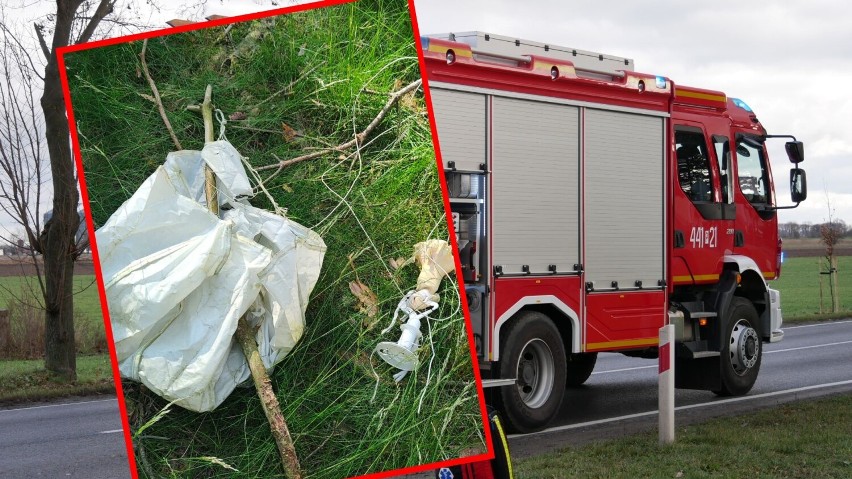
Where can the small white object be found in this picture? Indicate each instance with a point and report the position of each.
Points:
(436, 260)
(403, 353)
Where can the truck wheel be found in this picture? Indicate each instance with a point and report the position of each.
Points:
(580, 367)
(533, 353)
(742, 350)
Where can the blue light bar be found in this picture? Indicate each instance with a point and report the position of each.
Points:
(741, 104)
(424, 42)
(661, 82)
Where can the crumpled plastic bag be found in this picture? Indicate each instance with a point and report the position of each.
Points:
(178, 279)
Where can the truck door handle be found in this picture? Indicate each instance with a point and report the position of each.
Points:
(679, 241)
(739, 238)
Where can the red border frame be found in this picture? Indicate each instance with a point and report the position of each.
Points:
(84, 197)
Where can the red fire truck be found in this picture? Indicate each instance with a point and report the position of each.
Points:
(594, 204)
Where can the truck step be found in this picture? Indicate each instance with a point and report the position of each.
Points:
(705, 354)
(493, 383)
(702, 314)
(695, 350)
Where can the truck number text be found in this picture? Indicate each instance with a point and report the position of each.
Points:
(702, 237)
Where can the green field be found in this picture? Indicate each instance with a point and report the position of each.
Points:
(800, 290)
(26, 380)
(21, 295)
(804, 440)
(87, 304)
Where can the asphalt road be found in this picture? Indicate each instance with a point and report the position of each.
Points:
(84, 439)
(621, 395)
(63, 439)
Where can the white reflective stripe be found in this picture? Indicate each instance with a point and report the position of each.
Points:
(744, 263)
(537, 300)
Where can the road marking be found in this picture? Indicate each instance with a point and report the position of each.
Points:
(764, 352)
(817, 324)
(807, 347)
(59, 405)
(624, 369)
(112, 432)
(568, 427)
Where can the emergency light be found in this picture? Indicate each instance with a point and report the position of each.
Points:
(741, 104)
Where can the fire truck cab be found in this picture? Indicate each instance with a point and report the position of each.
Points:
(592, 205)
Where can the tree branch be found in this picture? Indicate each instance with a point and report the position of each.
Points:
(44, 49)
(105, 7)
(359, 138)
(156, 92)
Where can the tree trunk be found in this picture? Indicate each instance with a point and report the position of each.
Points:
(58, 236)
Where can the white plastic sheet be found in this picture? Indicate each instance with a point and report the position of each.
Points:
(178, 279)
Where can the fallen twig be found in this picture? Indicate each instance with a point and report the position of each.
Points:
(246, 334)
(158, 101)
(359, 138)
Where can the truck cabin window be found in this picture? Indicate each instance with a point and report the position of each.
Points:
(751, 171)
(693, 166)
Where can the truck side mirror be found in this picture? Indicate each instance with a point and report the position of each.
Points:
(798, 183)
(795, 151)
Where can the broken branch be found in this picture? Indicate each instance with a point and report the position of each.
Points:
(246, 333)
(359, 137)
(156, 92)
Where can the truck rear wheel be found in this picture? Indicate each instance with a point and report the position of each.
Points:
(742, 350)
(533, 353)
(579, 368)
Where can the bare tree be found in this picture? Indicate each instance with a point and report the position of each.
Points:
(26, 132)
(22, 159)
(75, 21)
(830, 233)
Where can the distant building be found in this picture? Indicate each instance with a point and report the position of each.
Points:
(14, 250)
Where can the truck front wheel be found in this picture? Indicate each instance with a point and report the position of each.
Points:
(742, 350)
(532, 353)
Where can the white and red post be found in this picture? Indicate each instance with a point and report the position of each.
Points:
(666, 384)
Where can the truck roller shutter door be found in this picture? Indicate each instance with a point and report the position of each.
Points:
(535, 168)
(624, 199)
(460, 119)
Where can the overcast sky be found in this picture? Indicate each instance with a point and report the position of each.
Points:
(791, 61)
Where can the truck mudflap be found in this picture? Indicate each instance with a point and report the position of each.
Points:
(703, 373)
(772, 324)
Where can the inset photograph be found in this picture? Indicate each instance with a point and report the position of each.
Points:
(273, 246)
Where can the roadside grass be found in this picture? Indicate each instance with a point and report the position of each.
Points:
(800, 290)
(21, 296)
(800, 440)
(23, 380)
(340, 64)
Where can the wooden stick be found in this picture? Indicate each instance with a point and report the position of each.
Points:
(246, 333)
(156, 92)
(209, 177)
(359, 138)
(280, 432)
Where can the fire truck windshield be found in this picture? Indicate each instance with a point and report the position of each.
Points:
(752, 172)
